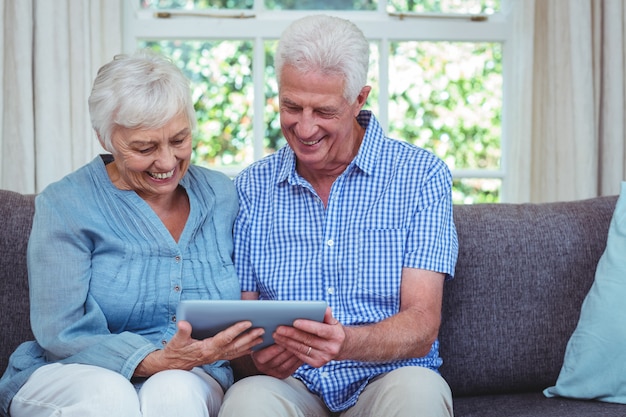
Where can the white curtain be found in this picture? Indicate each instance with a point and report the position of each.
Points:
(566, 126)
(50, 53)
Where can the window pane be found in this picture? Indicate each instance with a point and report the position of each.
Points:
(447, 97)
(273, 139)
(445, 6)
(222, 89)
(321, 4)
(196, 4)
(444, 96)
(476, 190)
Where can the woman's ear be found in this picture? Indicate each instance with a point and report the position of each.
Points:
(102, 142)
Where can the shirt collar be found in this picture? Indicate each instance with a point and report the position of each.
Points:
(370, 148)
(288, 167)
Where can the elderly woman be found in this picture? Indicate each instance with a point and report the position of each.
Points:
(114, 247)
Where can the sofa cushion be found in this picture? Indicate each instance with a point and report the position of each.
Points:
(522, 274)
(595, 359)
(16, 216)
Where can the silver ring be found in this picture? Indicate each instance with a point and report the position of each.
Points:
(308, 352)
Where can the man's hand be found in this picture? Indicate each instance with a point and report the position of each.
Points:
(409, 333)
(276, 361)
(312, 342)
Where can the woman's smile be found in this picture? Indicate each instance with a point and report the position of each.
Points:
(162, 175)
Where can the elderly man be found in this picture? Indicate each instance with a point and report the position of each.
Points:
(350, 216)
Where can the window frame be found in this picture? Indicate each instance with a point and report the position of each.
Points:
(260, 25)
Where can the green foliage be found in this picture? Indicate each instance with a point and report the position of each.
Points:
(222, 89)
(447, 97)
(320, 4)
(269, 4)
(444, 6)
(197, 4)
(476, 190)
(273, 139)
(443, 96)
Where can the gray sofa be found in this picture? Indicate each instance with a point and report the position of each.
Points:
(522, 273)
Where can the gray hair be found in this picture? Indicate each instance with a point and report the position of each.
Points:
(328, 44)
(140, 91)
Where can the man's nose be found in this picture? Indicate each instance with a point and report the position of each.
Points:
(306, 126)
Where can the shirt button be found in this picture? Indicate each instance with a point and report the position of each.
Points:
(164, 342)
(330, 242)
(177, 258)
(174, 319)
(176, 288)
(330, 290)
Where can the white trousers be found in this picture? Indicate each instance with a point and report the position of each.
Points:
(410, 391)
(76, 390)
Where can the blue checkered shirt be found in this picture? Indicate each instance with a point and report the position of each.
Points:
(391, 208)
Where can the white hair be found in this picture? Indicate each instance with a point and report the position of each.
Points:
(144, 90)
(328, 44)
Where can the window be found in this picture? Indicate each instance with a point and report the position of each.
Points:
(436, 72)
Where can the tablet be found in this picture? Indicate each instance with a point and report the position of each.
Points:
(209, 317)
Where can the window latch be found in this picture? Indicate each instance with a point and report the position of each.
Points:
(170, 14)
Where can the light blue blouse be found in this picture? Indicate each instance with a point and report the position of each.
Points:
(106, 276)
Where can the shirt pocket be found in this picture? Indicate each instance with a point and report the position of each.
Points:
(381, 252)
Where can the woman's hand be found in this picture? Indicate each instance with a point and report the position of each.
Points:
(183, 352)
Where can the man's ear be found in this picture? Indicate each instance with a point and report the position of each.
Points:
(361, 99)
